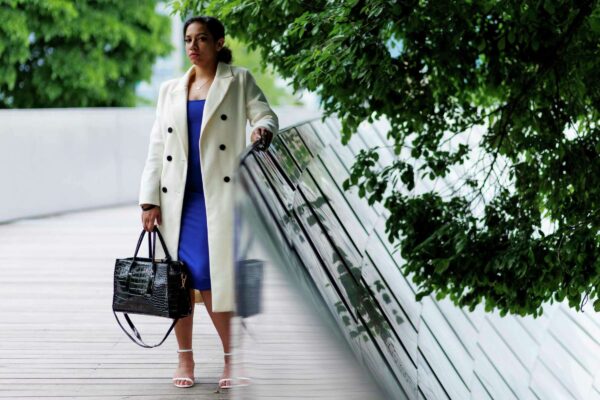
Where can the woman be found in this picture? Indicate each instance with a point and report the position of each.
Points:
(187, 187)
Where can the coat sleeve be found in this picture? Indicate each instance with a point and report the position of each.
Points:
(150, 182)
(258, 111)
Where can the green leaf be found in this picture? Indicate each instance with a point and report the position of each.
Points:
(511, 37)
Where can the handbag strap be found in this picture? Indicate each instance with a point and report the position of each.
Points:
(138, 338)
(152, 244)
(139, 243)
(162, 242)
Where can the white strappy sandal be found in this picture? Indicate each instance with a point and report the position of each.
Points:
(189, 382)
(226, 383)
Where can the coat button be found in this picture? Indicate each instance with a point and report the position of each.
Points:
(170, 130)
(169, 158)
(164, 189)
(223, 117)
(226, 179)
(222, 147)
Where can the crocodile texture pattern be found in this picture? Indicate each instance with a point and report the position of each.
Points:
(159, 289)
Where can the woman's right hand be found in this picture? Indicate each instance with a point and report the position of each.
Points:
(150, 218)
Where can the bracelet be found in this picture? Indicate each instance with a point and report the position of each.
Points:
(150, 207)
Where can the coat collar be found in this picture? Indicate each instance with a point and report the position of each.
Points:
(223, 71)
(216, 93)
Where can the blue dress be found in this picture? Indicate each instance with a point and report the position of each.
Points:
(193, 234)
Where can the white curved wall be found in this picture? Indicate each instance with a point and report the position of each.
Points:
(56, 160)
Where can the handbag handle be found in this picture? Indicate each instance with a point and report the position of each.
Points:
(152, 244)
(162, 243)
(151, 254)
(138, 338)
(135, 254)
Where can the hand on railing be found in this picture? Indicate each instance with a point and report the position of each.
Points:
(263, 135)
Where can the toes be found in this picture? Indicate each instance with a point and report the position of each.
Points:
(183, 382)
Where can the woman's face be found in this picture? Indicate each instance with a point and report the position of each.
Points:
(200, 46)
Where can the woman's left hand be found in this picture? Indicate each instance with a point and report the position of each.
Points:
(262, 133)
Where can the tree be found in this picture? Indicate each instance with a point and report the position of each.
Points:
(265, 78)
(519, 226)
(77, 53)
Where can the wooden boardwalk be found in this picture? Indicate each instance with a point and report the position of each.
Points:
(58, 336)
(59, 339)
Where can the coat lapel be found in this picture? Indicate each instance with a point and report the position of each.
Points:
(216, 93)
(179, 95)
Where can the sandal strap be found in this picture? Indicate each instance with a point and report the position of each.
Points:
(184, 350)
(183, 378)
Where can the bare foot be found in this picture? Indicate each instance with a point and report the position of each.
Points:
(185, 369)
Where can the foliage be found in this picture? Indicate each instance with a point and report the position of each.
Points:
(77, 53)
(265, 77)
(519, 225)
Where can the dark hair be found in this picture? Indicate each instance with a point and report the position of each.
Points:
(216, 29)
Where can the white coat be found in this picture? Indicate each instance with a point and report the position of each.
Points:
(232, 99)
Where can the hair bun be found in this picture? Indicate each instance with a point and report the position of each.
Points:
(225, 55)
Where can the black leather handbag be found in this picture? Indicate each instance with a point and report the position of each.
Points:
(150, 287)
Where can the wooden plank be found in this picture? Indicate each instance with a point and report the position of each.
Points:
(59, 337)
